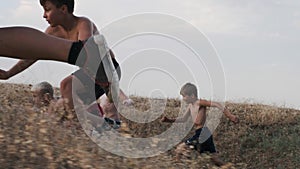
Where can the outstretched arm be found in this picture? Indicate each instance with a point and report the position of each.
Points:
(17, 68)
(226, 112)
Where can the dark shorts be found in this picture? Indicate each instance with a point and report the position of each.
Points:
(86, 55)
(116, 65)
(207, 145)
(88, 95)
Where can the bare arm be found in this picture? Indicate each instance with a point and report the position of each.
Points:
(17, 68)
(181, 119)
(86, 29)
(220, 107)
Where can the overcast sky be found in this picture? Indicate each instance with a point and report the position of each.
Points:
(257, 43)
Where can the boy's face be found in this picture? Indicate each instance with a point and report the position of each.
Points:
(52, 14)
(188, 98)
(39, 98)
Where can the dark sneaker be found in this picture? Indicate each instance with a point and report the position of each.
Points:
(117, 125)
(108, 124)
(113, 123)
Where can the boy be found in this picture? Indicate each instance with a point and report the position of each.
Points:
(31, 44)
(42, 94)
(93, 55)
(64, 24)
(197, 110)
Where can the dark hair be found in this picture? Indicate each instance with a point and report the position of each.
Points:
(189, 89)
(59, 3)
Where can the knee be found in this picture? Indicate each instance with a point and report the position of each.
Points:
(66, 84)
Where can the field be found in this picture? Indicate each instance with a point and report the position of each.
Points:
(266, 137)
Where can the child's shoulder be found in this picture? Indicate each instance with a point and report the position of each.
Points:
(53, 30)
(83, 20)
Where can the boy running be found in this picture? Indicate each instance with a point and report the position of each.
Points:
(197, 111)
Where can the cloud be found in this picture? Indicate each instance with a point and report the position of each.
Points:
(24, 7)
(26, 13)
(253, 18)
(268, 19)
(247, 34)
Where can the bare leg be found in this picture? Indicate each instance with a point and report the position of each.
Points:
(66, 90)
(28, 43)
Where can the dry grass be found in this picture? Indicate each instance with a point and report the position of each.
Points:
(266, 137)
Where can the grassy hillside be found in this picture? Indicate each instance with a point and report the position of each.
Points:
(266, 137)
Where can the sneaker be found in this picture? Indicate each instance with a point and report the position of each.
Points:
(112, 123)
(108, 124)
(117, 125)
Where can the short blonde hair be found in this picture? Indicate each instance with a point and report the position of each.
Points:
(43, 87)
